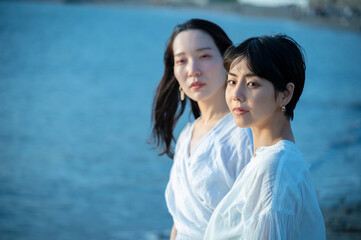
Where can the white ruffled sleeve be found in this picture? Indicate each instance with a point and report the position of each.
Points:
(271, 225)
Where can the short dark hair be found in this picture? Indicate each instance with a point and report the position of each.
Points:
(167, 106)
(276, 58)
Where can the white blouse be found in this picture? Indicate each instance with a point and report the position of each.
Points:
(273, 198)
(199, 181)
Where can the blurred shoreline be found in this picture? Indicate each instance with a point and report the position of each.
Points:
(344, 14)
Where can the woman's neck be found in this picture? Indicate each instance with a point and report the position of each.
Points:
(273, 132)
(212, 113)
(213, 109)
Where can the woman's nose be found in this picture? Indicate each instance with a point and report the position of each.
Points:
(194, 69)
(238, 94)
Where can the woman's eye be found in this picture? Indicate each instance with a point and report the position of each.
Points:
(179, 61)
(231, 82)
(252, 84)
(205, 56)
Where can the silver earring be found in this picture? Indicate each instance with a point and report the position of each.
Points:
(283, 108)
(181, 93)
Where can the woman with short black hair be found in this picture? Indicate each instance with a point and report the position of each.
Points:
(273, 197)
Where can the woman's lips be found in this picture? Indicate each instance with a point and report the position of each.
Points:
(239, 111)
(197, 85)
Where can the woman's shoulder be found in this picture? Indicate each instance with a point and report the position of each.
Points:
(186, 129)
(283, 151)
(292, 159)
(227, 130)
(284, 169)
(282, 160)
(183, 138)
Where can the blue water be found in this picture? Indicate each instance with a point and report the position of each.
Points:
(76, 87)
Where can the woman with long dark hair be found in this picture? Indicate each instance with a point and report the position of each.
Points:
(273, 197)
(208, 154)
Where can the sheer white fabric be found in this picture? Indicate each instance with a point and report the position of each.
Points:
(198, 182)
(273, 198)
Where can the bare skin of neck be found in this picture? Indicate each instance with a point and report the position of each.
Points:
(211, 112)
(279, 128)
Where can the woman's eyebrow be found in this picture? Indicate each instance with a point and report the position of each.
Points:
(246, 75)
(204, 48)
(250, 75)
(178, 54)
(232, 74)
(197, 50)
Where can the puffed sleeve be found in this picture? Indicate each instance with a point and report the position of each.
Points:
(294, 213)
(271, 225)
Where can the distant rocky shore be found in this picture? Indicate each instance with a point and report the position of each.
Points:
(336, 16)
(340, 14)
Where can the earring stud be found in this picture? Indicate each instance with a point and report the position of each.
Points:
(283, 108)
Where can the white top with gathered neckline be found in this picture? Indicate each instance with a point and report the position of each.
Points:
(198, 181)
(273, 198)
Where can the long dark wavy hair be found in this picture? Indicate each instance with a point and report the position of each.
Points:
(167, 106)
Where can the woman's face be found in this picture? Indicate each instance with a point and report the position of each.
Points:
(250, 98)
(198, 65)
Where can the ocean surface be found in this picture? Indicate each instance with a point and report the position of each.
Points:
(76, 88)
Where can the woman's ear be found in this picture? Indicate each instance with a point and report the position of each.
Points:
(287, 94)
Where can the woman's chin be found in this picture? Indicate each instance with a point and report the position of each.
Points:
(241, 123)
